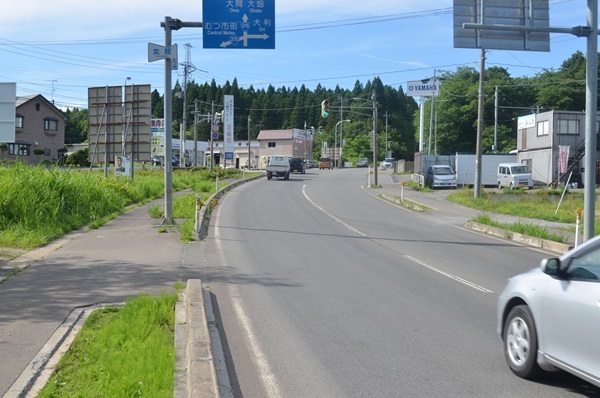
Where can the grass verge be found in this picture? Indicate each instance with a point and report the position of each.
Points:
(542, 204)
(528, 229)
(121, 352)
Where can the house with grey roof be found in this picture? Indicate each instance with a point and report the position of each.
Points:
(39, 124)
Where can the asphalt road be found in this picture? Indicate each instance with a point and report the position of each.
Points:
(322, 289)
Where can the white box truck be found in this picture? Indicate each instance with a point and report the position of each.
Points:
(465, 168)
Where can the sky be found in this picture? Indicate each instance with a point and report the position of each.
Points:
(60, 48)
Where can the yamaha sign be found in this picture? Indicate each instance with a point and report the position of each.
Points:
(423, 88)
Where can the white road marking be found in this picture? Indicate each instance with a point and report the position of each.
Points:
(329, 214)
(267, 377)
(453, 277)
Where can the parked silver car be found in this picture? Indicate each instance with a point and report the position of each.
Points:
(388, 163)
(549, 317)
(362, 162)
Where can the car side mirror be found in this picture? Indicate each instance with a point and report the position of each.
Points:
(551, 266)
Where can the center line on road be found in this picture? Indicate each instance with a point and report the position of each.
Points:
(329, 214)
(456, 278)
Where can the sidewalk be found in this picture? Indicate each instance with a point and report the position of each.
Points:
(43, 305)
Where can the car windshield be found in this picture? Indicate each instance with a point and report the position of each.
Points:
(389, 160)
(442, 171)
(519, 170)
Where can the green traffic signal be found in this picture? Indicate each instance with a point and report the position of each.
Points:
(324, 108)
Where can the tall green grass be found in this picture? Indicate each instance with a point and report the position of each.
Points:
(39, 205)
(121, 352)
(521, 227)
(541, 204)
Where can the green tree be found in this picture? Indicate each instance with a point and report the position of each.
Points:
(76, 126)
(564, 89)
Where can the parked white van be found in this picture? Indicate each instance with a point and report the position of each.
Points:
(514, 175)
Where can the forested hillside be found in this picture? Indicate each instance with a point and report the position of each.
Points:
(455, 109)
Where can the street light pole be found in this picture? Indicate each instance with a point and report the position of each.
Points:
(339, 154)
(374, 136)
(123, 118)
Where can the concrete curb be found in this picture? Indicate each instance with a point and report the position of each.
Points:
(517, 237)
(211, 202)
(196, 374)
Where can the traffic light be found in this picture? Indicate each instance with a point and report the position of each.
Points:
(324, 108)
(321, 130)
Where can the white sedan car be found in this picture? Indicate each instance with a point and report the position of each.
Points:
(549, 317)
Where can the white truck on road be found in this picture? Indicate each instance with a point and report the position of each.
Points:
(279, 166)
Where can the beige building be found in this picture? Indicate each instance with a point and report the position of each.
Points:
(295, 143)
(38, 125)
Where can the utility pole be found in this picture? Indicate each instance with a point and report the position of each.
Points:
(195, 163)
(249, 120)
(212, 141)
(341, 130)
(431, 117)
(387, 148)
(188, 68)
(496, 120)
(374, 99)
(478, 157)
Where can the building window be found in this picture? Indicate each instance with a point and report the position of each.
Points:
(543, 128)
(50, 124)
(46, 152)
(37, 106)
(19, 122)
(272, 144)
(18, 149)
(566, 126)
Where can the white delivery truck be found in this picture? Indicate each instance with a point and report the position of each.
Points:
(279, 166)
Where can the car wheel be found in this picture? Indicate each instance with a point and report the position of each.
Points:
(499, 185)
(269, 176)
(520, 343)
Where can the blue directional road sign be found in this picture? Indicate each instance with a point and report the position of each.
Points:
(238, 24)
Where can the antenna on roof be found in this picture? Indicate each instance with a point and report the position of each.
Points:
(52, 98)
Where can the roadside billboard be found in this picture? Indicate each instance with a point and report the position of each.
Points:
(8, 111)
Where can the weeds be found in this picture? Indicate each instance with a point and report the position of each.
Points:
(541, 206)
(121, 352)
(528, 229)
(51, 202)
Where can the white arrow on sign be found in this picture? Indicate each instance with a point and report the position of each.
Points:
(244, 38)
